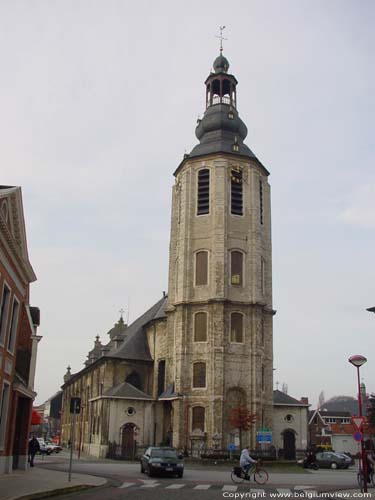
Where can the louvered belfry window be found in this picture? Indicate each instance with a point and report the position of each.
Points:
(203, 205)
(236, 191)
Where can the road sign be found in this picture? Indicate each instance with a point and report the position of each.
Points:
(264, 437)
(358, 422)
(358, 436)
(231, 447)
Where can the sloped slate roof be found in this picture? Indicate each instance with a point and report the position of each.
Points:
(331, 413)
(135, 345)
(169, 393)
(281, 398)
(126, 391)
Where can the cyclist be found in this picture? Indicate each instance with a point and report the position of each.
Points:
(370, 464)
(246, 461)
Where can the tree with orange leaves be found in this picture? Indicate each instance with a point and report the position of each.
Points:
(241, 418)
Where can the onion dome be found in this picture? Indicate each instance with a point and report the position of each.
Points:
(221, 129)
(221, 64)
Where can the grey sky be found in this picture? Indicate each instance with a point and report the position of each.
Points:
(99, 101)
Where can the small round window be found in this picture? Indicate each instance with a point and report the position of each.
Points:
(130, 411)
(289, 418)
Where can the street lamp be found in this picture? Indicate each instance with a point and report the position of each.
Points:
(371, 309)
(357, 360)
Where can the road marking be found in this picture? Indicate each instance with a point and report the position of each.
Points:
(257, 493)
(175, 486)
(149, 483)
(229, 487)
(284, 491)
(302, 487)
(126, 485)
(202, 487)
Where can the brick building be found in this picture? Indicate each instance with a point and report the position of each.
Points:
(18, 337)
(174, 375)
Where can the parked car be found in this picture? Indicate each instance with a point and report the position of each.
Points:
(55, 448)
(331, 460)
(348, 458)
(44, 449)
(162, 460)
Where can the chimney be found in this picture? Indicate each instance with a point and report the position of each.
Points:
(304, 400)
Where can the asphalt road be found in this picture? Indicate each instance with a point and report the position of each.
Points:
(126, 481)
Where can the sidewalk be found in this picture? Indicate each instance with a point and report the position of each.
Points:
(38, 483)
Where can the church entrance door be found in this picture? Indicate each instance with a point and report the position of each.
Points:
(289, 445)
(128, 441)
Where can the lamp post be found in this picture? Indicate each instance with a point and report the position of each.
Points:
(371, 309)
(357, 361)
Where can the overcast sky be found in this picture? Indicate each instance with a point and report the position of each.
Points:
(98, 104)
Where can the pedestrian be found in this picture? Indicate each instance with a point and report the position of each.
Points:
(34, 447)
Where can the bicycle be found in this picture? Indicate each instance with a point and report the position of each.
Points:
(361, 482)
(260, 476)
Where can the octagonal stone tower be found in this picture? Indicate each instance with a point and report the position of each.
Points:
(219, 316)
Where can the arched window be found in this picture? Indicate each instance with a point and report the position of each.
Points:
(134, 379)
(199, 375)
(236, 327)
(198, 418)
(236, 268)
(201, 268)
(161, 377)
(203, 195)
(200, 327)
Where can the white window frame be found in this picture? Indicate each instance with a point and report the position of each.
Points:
(243, 267)
(233, 167)
(209, 191)
(200, 341)
(201, 388)
(195, 267)
(243, 328)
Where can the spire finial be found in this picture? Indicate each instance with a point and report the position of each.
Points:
(121, 311)
(221, 28)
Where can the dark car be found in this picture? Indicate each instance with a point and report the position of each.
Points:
(349, 460)
(331, 460)
(162, 460)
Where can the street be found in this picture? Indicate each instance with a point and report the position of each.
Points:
(125, 480)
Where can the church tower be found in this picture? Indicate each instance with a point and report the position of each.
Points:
(219, 314)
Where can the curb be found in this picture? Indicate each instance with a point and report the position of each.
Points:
(58, 491)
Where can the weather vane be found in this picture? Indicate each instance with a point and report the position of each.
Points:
(121, 311)
(221, 28)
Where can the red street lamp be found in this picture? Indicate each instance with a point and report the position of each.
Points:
(357, 360)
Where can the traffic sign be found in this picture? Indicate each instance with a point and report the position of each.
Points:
(264, 437)
(358, 422)
(231, 447)
(358, 436)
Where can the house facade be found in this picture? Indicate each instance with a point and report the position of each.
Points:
(333, 430)
(18, 333)
(290, 425)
